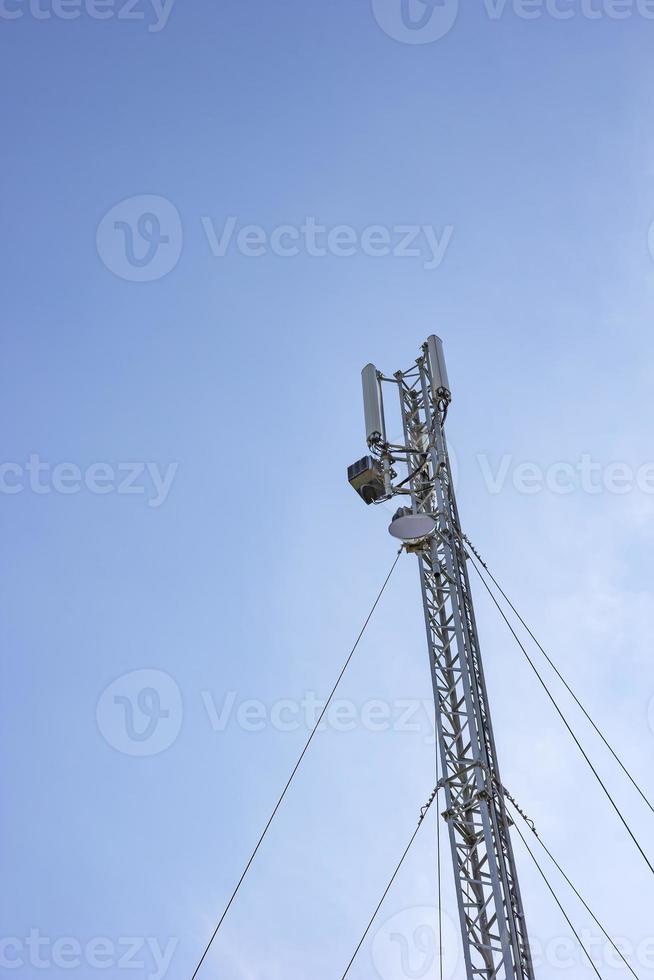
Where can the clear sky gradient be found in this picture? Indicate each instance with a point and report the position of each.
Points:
(181, 399)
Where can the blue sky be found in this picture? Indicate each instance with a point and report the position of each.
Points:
(189, 416)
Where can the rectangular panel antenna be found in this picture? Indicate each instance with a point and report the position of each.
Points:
(440, 380)
(373, 405)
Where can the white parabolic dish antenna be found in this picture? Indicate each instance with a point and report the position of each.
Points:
(412, 527)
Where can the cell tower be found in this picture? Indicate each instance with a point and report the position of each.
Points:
(493, 927)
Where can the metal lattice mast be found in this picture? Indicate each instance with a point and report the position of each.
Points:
(493, 927)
